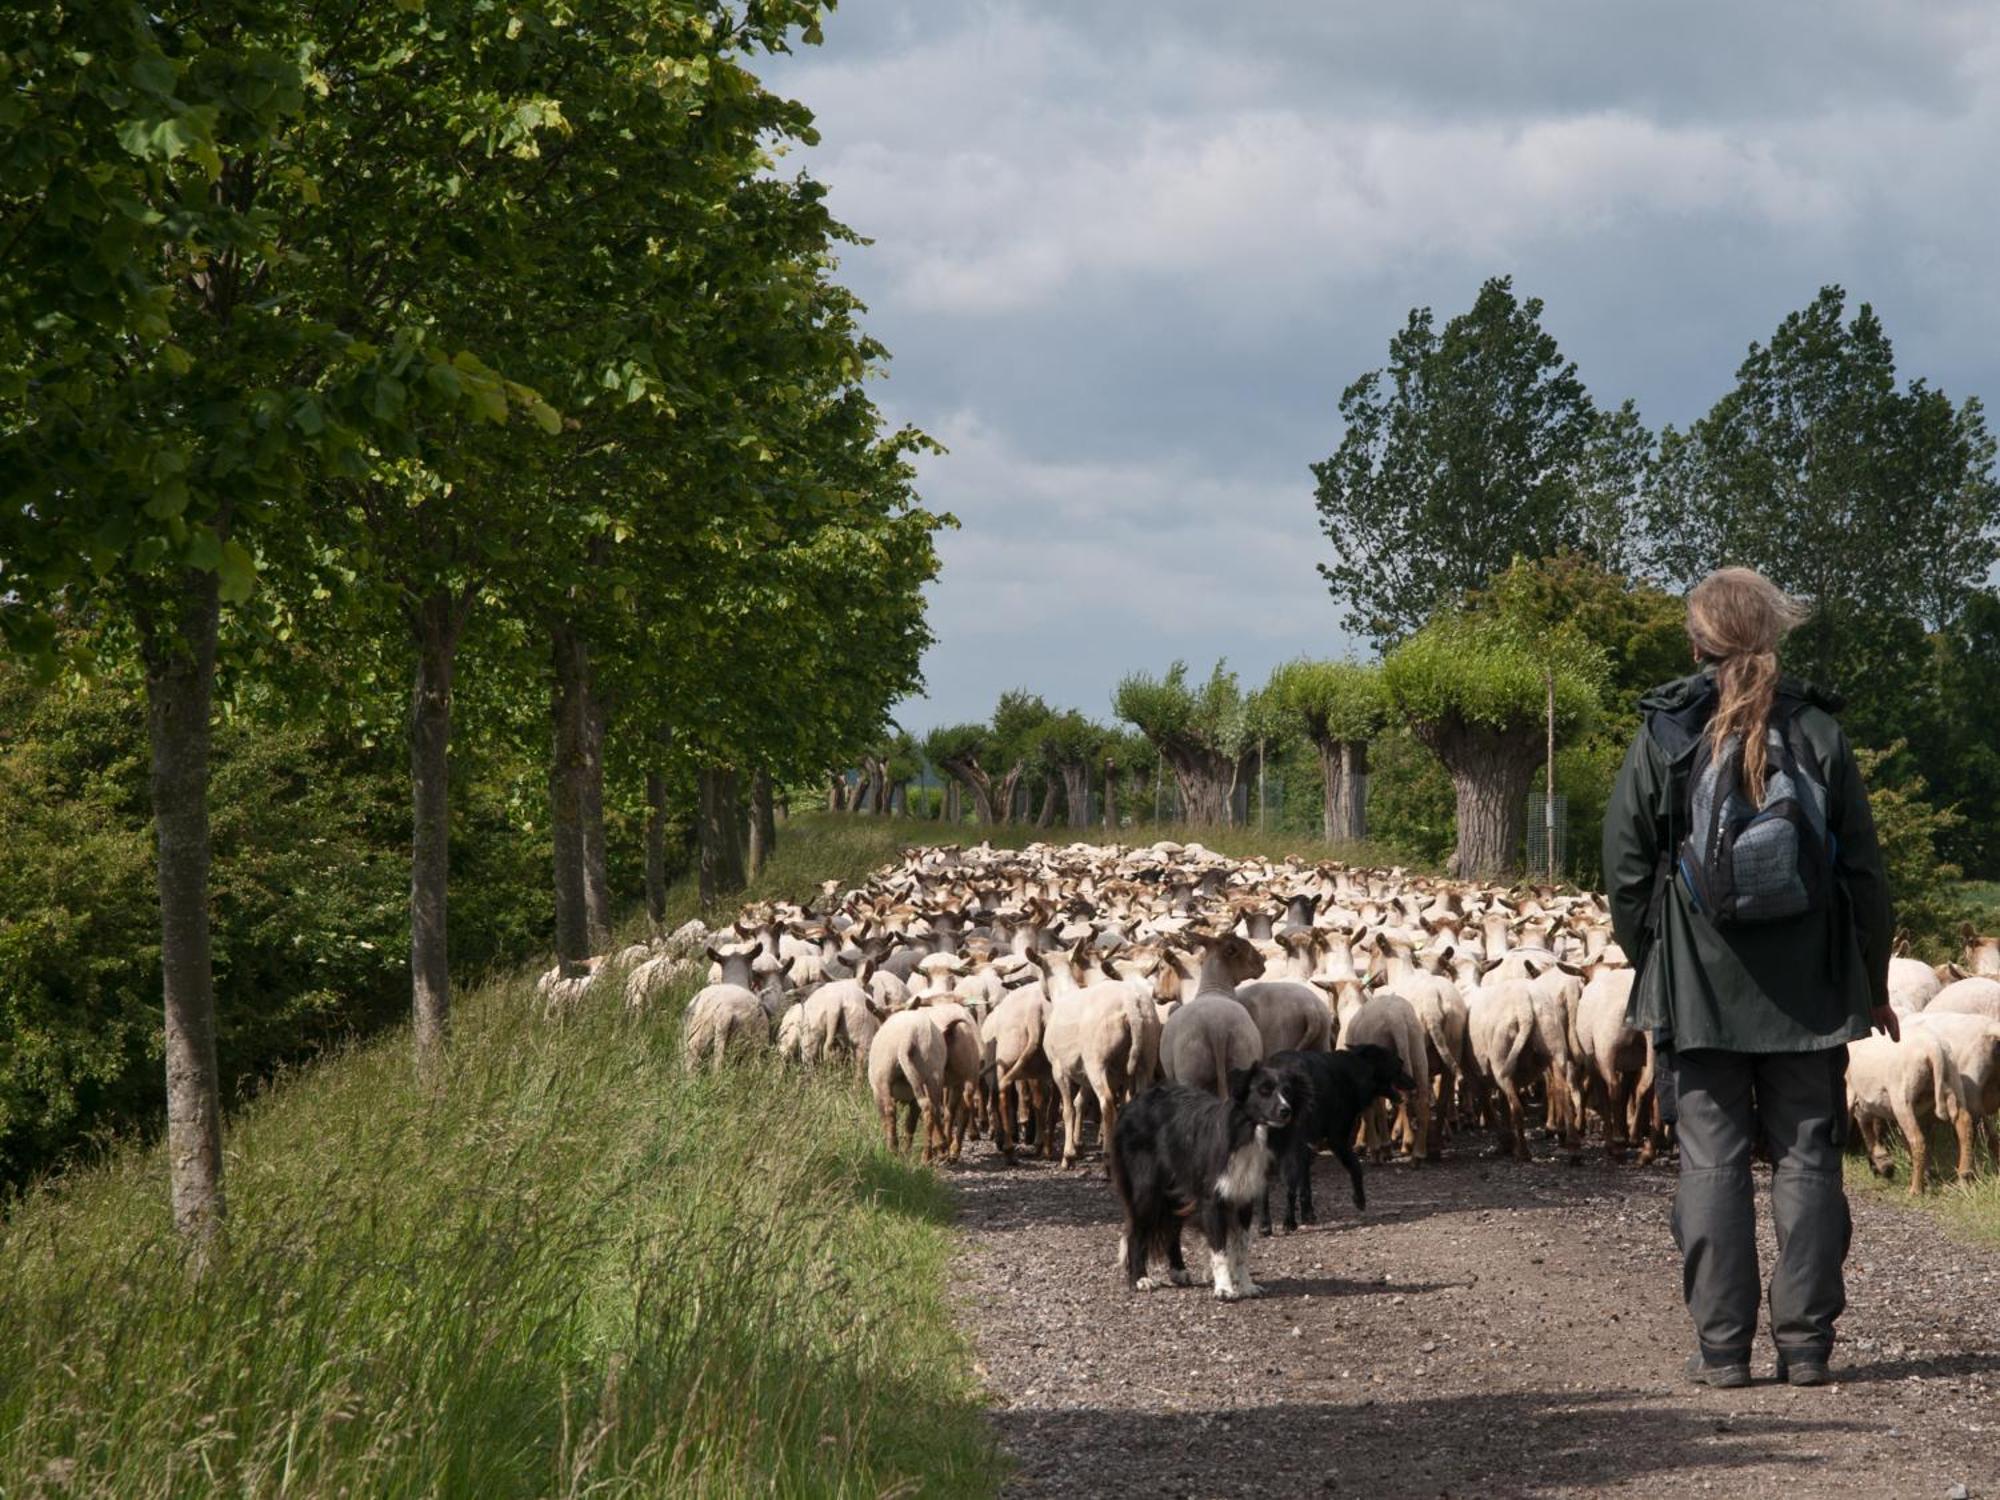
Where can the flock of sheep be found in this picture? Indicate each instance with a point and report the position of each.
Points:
(1027, 995)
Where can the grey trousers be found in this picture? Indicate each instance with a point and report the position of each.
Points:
(1798, 1102)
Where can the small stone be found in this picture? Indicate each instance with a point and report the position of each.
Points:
(1958, 1492)
(1428, 1346)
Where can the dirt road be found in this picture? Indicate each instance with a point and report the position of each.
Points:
(1484, 1329)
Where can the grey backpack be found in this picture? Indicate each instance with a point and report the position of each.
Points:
(1744, 863)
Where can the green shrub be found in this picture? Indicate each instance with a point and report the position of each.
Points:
(1929, 900)
(309, 898)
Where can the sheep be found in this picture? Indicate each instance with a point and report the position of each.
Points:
(1973, 1042)
(1982, 952)
(731, 1014)
(1104, 1036)
(1976, 996)
(1022, 1083)
(1620, 1058)
(1290, 1016)
(906, 1065)
(1911, 1083)
(1388, 1020)
(1212, 1034)
(1502, 1030)
(1913, 984)
(841, 1016)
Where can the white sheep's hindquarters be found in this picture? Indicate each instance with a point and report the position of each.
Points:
(1180, 1153)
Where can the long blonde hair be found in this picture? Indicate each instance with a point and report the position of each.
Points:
(1736, 619)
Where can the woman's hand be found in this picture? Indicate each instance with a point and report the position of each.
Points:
(1883, 1018)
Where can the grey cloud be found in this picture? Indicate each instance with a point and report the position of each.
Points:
(1127, 257)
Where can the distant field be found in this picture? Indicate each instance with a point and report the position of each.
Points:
(1984, 895)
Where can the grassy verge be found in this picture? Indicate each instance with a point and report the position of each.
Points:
(569, 1269)
(1970, 1210)
(1983, 896)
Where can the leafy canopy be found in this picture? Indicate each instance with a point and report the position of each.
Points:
(1478, 672)
(1477, 444)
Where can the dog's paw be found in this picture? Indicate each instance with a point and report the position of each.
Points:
(1227, 1294)
(1144, 1284)
(1180, 1278)
(1264, 1231)
(1249, 1288)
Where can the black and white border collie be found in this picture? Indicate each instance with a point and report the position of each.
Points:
(1181, 1153)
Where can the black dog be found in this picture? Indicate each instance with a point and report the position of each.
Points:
(1178, 1153)
(1329, 1092)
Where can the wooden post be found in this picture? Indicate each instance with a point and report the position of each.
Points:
(1260, 783)
(1549, 776)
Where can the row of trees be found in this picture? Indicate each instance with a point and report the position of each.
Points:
(480, 347)
(1875, 499)
(1473, 688)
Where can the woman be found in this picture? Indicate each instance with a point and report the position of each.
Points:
(1746, 884)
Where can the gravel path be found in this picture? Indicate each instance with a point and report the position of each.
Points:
(1486, 1328)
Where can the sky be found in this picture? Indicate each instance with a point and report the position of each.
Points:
(1127, 255)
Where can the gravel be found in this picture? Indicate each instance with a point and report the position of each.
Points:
(1486, 1328)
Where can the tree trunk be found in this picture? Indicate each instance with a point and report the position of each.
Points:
(1076, 795)
(180, 680)
(1491, 771)
(954, 808)
(836, 792)
(763, 822)
(590, 803)
(1110, 794)
(1002, 795)
(1332, 804)
(436, 623)
(1354, 790)
(721, 849)
(570, 712)
(656, 850)
(1046, 817)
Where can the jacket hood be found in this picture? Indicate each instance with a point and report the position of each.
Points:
(1686, 692)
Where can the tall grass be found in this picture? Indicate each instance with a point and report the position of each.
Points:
(1970, 1210)
(566, 1269)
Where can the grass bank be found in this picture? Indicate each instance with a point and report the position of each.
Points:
(568, 1270)
(1970, 1210)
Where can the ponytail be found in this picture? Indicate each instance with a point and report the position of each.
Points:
(1736, 619)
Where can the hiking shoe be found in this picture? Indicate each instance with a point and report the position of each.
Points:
(1803, 1369)
(1731, 1376)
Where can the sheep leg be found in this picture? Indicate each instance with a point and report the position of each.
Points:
(1871, 1141)
(1514, 1121)
(1918, 1141)
(1964, 1126)
(1616, 1114)
(889, 1124)
(1424, 1143)
(1066, 1091)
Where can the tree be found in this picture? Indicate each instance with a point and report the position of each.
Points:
(170, 386)
(1339, 707)
(1472, 690)
(1474, 446)
(1070, 745)
(1641, 629)
(1203, 733)
(1876, 503)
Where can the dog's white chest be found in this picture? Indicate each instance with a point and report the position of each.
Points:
(1242, 1180)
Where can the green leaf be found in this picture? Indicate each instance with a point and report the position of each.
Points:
(204, 548)
(546, 416)
(236, 572)
(168, 501)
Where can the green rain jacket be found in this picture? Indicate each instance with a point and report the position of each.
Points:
(1795, 986)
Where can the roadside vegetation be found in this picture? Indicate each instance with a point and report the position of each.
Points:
(566, 1269)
